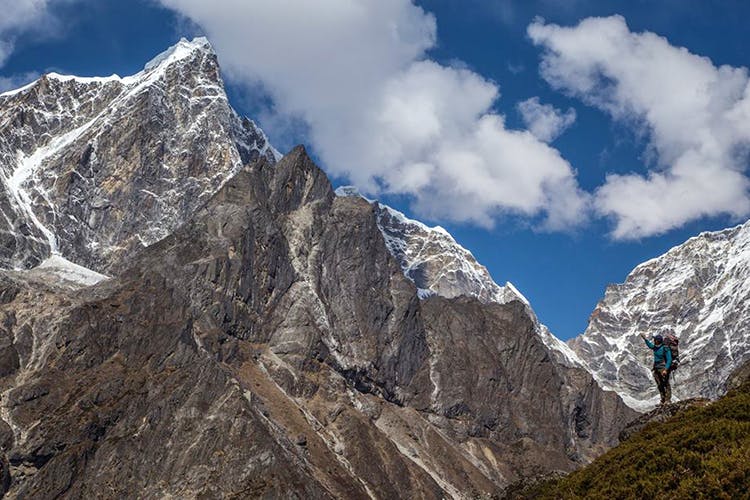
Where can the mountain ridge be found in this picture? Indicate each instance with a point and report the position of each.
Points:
(438, 265)
(413, 244)
(622, 365)
(64, 147)
(265, 341)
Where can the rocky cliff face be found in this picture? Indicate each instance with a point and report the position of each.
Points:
(701, 290)
(260, 338)
(432, 259)
(264, 340)
(698, 289)
(92, 169)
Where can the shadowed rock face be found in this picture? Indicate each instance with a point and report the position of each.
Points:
(272, 346)
(492, 371)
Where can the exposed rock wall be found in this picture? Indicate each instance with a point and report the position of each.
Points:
(272, 346)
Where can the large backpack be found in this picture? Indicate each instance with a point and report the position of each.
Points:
(674, 345)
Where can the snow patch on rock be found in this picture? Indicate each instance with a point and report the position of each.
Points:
(68, 271)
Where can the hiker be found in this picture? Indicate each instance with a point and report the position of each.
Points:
(662, 366)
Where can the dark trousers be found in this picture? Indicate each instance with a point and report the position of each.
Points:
(662, 382)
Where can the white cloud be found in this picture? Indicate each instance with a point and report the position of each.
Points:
(545, 121)
(383, 115)
(695, 115)
(18, 16)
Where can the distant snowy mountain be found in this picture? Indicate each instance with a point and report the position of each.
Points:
(92, 169)
(701, 289)
(438, 265)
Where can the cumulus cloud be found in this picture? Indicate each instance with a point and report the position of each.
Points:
(544, 120)
(19, 16)
(695, 116)
(382, 114)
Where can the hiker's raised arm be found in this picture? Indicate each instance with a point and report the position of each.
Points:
(648, 343)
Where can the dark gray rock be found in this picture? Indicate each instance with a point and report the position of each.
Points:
(739, 376)
(265, 343)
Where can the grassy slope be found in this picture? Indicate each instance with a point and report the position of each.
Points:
(700, 453)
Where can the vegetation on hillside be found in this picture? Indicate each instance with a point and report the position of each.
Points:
(700, 453)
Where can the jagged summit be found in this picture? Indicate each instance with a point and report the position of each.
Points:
(79, 179)
(182, 50)
(432, 258)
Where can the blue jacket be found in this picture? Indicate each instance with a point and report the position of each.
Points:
(662, 355)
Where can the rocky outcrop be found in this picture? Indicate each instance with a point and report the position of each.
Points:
(661, 413)
(739, 376)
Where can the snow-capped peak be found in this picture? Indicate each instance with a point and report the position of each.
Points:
(180, 50)
(78, 176)
(152, 70)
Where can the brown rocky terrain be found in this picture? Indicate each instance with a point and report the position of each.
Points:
(272, 347)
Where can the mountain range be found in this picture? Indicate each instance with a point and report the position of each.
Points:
(186, 312)
(699, 290)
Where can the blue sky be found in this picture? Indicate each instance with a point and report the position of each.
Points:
(539, 212)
